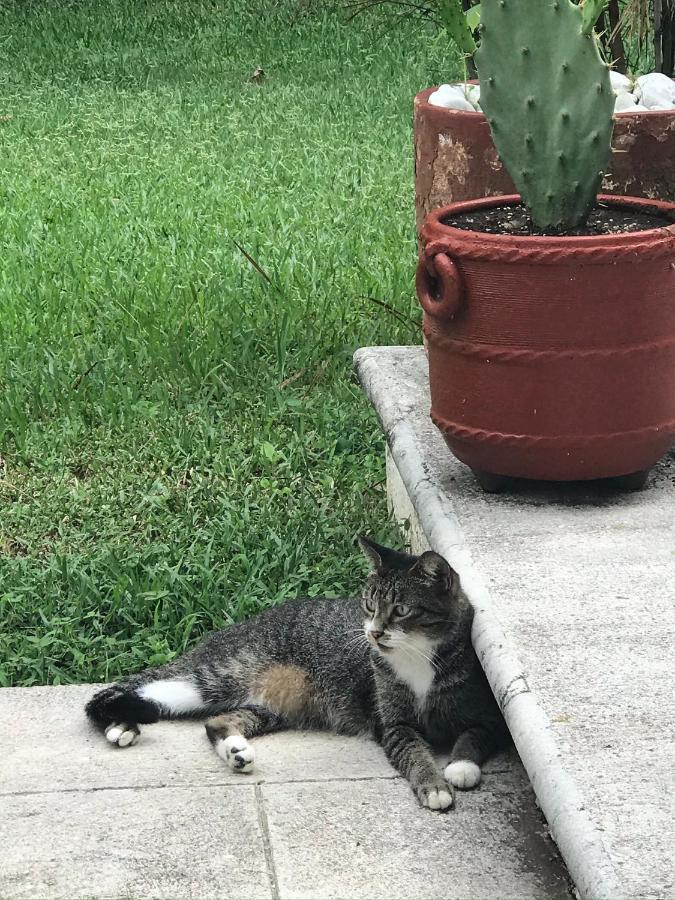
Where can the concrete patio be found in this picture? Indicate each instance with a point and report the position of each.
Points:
(320, 817)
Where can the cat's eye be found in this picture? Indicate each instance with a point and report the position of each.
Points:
(369, 604)
(401, 610)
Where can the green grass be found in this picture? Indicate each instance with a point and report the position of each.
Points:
(181, 441)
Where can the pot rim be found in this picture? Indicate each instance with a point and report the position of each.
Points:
(422, 102)
(654, 242)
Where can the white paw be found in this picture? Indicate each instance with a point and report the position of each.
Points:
(436, 798)
(122, 735)
(237, 753)
(462, 774)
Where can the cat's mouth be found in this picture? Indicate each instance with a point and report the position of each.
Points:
(378, 644)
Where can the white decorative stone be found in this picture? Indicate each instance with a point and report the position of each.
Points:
(655, 90)
(620, 82)
(451, 96)
(625, 102)
(648, 92)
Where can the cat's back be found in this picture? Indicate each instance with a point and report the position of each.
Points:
(302, 626)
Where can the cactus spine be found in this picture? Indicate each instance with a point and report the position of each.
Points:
(547, 96)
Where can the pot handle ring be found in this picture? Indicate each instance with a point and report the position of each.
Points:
(439, 285)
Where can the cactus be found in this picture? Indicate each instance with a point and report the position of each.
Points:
(455, 23)
(547, 96)
(591, 11)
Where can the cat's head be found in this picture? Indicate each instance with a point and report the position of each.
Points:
(407, 598)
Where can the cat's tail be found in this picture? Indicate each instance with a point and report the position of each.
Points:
(120, 709)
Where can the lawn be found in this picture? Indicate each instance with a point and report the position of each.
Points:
(181, 441)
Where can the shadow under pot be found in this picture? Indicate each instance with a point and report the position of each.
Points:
(551, 357)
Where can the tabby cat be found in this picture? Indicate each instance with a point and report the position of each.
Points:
(395, 664)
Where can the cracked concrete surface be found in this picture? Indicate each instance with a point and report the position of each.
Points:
(321, 817)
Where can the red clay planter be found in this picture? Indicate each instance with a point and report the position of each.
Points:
(456, 160)
(551, 357)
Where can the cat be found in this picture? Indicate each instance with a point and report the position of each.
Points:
(396, 664)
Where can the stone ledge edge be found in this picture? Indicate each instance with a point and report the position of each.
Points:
(579, 840)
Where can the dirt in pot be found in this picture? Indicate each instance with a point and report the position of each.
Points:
(516, 221)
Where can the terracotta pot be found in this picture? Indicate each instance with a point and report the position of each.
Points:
(455, 158)
(551, 357)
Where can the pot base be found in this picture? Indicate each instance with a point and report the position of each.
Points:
(497, 484)
(618, 459)
(491, 484)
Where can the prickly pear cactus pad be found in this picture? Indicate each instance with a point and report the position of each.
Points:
(546, 93)
(454, 20)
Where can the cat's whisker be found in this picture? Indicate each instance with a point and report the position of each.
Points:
(350, 649)
(355, 643)
(407, 651)
(431, 658)
(354, 640)
(357, 636)
(417, 652)
(427, 656)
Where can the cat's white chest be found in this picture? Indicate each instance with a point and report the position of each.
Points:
(417, 674)
(412, 664)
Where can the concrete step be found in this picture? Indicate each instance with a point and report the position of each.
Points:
(321, 817)
(574, 589)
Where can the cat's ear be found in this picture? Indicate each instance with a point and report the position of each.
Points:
(371, 551)
(435, 570)
(383, 559)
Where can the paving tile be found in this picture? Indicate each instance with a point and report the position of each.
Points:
(368, 840)
(159, 843)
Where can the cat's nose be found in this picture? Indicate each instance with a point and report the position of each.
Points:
(375, 635)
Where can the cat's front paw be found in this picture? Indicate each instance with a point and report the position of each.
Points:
(436, 797)
(462, 774)
(237, 753)
(122, 734)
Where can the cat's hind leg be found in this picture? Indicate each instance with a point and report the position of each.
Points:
(230, 731)
(119, 710)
